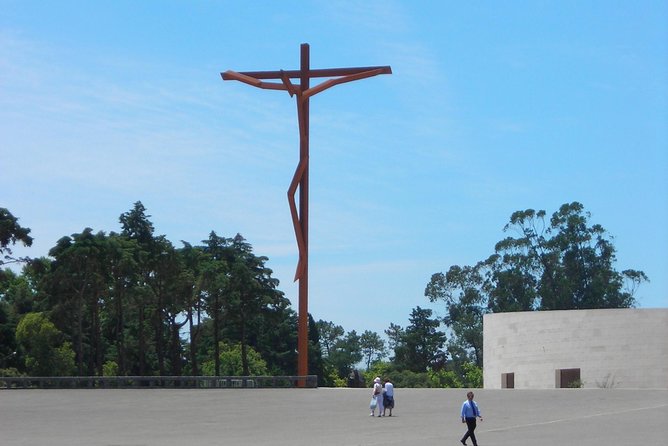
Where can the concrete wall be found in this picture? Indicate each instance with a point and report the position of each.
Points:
(620, 348)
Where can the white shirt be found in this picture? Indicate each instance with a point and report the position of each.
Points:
(389, 389)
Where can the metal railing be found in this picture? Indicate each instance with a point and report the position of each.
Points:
(170, 382)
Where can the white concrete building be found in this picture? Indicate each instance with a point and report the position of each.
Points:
(620, 348)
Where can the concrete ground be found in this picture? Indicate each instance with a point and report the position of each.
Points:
(328, 417)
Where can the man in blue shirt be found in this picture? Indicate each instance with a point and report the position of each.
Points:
(470, 412)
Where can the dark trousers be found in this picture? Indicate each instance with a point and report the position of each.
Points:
(470, 423)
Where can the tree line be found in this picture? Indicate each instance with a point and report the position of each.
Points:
(130, 303)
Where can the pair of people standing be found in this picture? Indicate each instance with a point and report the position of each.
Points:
(383, 396)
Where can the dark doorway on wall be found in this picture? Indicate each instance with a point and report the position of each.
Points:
(508, 380)
(567, 378)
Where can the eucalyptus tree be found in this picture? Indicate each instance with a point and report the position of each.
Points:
(563, 263)
(569, 263)
(465, 296)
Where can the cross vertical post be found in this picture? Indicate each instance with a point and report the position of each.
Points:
(303, 91)
(302, 316)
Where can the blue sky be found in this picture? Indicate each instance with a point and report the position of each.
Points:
(493, 107)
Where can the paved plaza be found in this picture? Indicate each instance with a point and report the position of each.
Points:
(328, 417)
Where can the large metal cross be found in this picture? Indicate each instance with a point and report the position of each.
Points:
(303, 91)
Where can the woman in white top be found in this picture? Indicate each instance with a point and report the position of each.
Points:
(378, 395)
(388, 396)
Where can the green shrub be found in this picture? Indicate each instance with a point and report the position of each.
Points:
(110, 368)
(445, 378)
(230, 362)
(472, 375)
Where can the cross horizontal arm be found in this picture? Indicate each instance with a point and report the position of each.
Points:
(323, 72)
(340, 80)
(241, 77)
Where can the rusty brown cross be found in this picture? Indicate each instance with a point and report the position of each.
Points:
(303, 91)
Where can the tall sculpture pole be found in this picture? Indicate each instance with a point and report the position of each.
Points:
(303, 92)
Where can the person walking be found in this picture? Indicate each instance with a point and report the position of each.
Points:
(378, 395)
(470, 411)
(388, 396)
